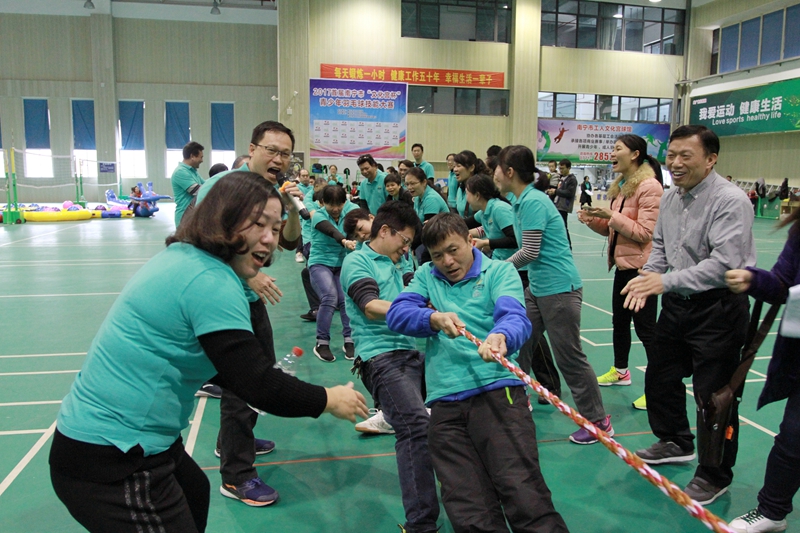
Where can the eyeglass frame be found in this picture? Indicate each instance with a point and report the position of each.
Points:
(271, 150)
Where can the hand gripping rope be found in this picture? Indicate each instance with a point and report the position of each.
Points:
(708, 518)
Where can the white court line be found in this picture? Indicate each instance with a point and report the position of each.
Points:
(59, 295)
(758, 373)
(40, 235)
(19, 404)
(600, 344)
(27, 459)
(598, 308)
(195, 426)
(39, 373)
(22, 432)
(40, 355)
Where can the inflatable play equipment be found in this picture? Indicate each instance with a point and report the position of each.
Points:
(143, 205)
(54, 214)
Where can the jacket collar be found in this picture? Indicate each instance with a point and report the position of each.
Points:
(628, 188)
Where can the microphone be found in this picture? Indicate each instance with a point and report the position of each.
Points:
(301, 209)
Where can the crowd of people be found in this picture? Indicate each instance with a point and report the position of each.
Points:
(402, 258)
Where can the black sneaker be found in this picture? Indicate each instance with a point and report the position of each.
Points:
(665, 452)
(702, 491)
(311, 316)
(323, 353)
(349, 351)
(209, 390)
(263, 446)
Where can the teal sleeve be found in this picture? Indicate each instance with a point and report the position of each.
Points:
(419, 285)
(532, 217)
(353, 270)
(505, 282)
(478, 217)
(503, 215)
(215, 301)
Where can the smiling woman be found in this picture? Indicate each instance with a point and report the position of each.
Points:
(117, 459)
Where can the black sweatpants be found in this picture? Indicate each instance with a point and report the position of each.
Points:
(701, 338)
(107, 490)
(644, 320)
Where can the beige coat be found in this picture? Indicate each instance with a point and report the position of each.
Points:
(636, 221)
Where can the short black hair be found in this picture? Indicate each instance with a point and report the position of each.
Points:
(397, 216)
(407, 162)
(708, 138)
(333, 195)
(366, 158)
(418, 174)
(566, 162)
(392, 177)
(351, 221)
(191, 149)
(521, 159)
(216, 169)
(417, 144)
(438, 228)
(270, 125)
(239, 161)
(493, 150)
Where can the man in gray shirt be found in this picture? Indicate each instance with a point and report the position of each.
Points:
(704, 228)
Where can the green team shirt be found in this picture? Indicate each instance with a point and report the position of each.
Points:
(430, 202)
(427, 168)
(497, 215)
(373, 193)
(461, 202)
(138, 381)
(452, 189)
(373, 337)
(553, 272)
(182, 178)
(325, 250)
(453, 365)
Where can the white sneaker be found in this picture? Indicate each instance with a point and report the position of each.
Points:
(298, 257)
(375, 425)
(755, 522)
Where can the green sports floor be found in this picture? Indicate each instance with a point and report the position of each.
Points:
(57, 281)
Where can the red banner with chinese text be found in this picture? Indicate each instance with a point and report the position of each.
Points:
(414, 76)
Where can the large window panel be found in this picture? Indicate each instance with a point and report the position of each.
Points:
(748, 49)
(457, 23)
(83, 137)
(408, 20)
(568, 6)
(565, 105)
(176, 125)
(791, 47)
(673, 39)
(466, 101)
(549, 26)
(587, 32)
(485, 24)
(634, 31)
(648, 109)
(629, 109)
(589, 8)
(607, 107)
(503, 23)
(37, 124)
(420, 99)
(222, 126)
(584, 107)
(665, 110)
(493, 102)
(132, 157)
(729, 49)
(444, 100)
(652, 36)
(429, 24)
(546, 105)
(610, 33)
(634, 12)
(567, 31)
(772, 37)
(550, 5)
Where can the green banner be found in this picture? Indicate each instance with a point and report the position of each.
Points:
(762, 109)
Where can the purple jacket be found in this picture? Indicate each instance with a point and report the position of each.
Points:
(783, 375)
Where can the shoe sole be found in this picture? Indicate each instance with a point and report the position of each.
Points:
(323, 359)
(308, 319)
(609, 433)
(199, 394)
(638, 407)
(370, 431)
(713, 498)
(251, 503)
(258, 452)
(668, 460)
(621, 382)
(348, 358)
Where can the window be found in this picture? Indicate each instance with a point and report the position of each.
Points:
(729, 49)
(748, 49)
(223, 148)
(606, 26)
(648, 110)
(791, 47)
(458, 20)
(546, 105)
(176, 131)
(629, 109)
(132, 160)
(450, 101)
(83, 138)
(584, 107)
(38, 156)
(772, 37)
(607, 107)
(604, 107)
(715, 51)
(565, 105)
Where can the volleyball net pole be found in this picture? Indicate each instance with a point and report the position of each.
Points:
(709, 519)
(12, 213)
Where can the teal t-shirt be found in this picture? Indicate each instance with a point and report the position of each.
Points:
(182, 178)
(497, 215)
(453, 365)
(553, 272)
(305, 225)
(427, 168)
(463, 209)
(373, 193)
(452, 186)
(430, 202)
(307, 190)
(373, 337)
(138, 381)
(325, 250)
(335, 180)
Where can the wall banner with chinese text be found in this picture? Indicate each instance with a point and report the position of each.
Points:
(591, 142)
(353, 118)
(415, 76)
(762, 109)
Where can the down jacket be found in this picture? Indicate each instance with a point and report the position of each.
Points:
(633, 220)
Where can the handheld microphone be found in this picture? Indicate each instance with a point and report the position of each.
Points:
(301, 209)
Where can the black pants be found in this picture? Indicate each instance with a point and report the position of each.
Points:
(305, 275)
(236, 442)
(539, 359)
(107, 490)
(564, 215)
(485, 455)
(701, 338)
(644, 321)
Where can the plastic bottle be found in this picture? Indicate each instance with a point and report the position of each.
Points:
(289, 362)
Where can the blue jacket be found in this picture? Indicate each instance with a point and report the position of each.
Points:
(783, 375)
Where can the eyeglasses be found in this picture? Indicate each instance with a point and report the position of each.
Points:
(272, 152)
(406, 240)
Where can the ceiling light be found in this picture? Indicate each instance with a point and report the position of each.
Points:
(655, 1)
(88, 4)
(215, 10)
(618, 15)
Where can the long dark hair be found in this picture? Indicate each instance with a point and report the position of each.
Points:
(467, 158)
(484, 186)
(637, 144)
(792, 219)
(214, 224)
(521, 159)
